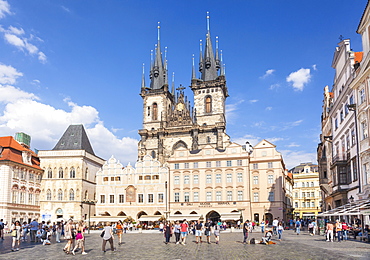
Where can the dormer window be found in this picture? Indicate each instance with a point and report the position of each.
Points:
(26, 157)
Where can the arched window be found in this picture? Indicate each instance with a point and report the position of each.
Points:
(71, 195)
(155, 112)
(72, 173)
(61, 173)
(48, 195)
(208, 104)
(153, 154)
(86, 195)
(50, 173)
(60, 194)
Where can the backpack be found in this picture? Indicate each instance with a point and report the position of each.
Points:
(252, 241)
(44, 234)
(2, 225)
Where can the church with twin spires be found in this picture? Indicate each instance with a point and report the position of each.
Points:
(169, 120)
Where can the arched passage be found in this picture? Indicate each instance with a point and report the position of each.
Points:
(141, 213)
(214, 216)
(121, 214)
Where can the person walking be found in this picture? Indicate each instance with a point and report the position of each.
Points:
(198, 232)
(216, 232)
(184, 231)
(167, 230)
(245, 231)
(80, 238)
(108, 236)
(207, 231)
(275, 223)
(262, 225)
(280, 229)
(2, 226)
(345, 230)
(16, 233)
(338, 229)
(310, 228)
(34, 226)
(119, 231)
(298, 226)
(177, 232)
(329, 231)
(24, 231)
(58, 232)
(68, 236)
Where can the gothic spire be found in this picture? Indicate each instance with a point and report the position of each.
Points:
(208, 65)
(158, 71)
(143, 79)
(193, 70)
(173, 84)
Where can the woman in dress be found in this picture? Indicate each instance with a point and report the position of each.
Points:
(16, 229)
(119, 227)
(216, 232)
(108, 236)
(80, 239)
(68, 236)
(167, 231)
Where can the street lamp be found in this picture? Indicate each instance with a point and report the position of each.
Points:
(88, 202)
(352, 107)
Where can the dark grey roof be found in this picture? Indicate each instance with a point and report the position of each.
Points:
(74, 138)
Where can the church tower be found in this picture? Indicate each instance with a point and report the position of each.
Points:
(210, 93)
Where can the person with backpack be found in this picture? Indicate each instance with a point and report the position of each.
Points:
(198, 232)
(207, 231)
(2, 226)
(246, 229)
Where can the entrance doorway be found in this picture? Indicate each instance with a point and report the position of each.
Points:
(256, 217)
(213, 216)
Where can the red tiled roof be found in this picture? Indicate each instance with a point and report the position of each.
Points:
(13, 152)
(358, 56)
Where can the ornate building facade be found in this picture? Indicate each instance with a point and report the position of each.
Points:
(69, 180)
(20, 180)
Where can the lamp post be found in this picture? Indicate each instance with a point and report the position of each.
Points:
(166, 188)
(352, 107)
(88, 202)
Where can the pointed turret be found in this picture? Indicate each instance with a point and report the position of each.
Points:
(158, 71)
(193, 70)
(208, 65)
(143, 79)
(173, 84)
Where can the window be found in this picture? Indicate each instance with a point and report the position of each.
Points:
(336, 123)
(255, 197)
(209, 196)
(209, 178)
(312, 194)
(140, 198)
(240, 195)
(270, 179)
(218, 178)
(312, 183)
(155, 112)
(102, 199)
(177, 166)
(208, 104)
(160, 197)
(72, 173)
(121, 198)
(60, 194)
(86, 173)
(21, 198)
(30, 198)
(240, 176)
(140, 178)
(303, 194)
(303, 204)
(196, 179)
(341, 116)
(32, 176)
(195, 165)
(255, 179)
(218, 195)
(312, 204)
(147, 177)
(177, 197)
(196, 196)
(50, 173)
(271, 196)
(362, 95)
(60, 173)
(208, 164)
(71, 195)
(176, 179)
(218, 163)
(228, 163)
(229, 177)
(364, 130)
(296, 195)
(239, 162)
(186, 196)
(186, 179)
(14, 196)
(186, 165)
(255, 166)
(48, 195)
(229, 195)
(111, 198)
(269, 165)
(150, 198)
(302, 184)
(296, 204)
(354, 169)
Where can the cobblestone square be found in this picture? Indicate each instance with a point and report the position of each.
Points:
(150, 245)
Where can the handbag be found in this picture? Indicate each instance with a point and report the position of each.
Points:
(14, 233)
(102, 233)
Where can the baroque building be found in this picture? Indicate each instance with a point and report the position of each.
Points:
(69, 180)
(20, 179)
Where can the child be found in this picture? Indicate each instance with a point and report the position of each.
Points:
(46, 236)
(266, 239)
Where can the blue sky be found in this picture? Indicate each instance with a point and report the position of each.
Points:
(67, 62)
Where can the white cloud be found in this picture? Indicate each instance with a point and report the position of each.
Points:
(65, 9)
(231, 115)
(299, 78)
(290, 125)
(253, 140)
(274, 86)
(314, 67)
(14, 37)
(268, 108)
(293, 145)
(274, 139)
(4, 8)
(267, 73)
(294, 158)
(23, 112)
(8, 74)
(253, 101)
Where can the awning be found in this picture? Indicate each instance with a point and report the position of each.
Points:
(361, 207)
(98, 219)
(190, 217)
(308, 214)
(150, 217)
(230, 216)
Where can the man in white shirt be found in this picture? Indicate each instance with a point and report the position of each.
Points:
(275, 223)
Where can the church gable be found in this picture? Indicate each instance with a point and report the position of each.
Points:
(264, 144)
